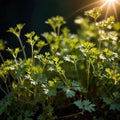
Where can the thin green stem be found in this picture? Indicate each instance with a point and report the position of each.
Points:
(76, 71)
(95, 20)
(107, 91)
(29, 90)
(5, 83)
(71, 115)
(6, 87)
(3, 90)
(58, 31)
(32, 54)
(43, 66)
(1, 57)
(88, 72)
(54, 30)
(23, 49)
(100, 44)
(99, 41)
(63, 77)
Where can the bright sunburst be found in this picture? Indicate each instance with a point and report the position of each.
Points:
(109, 7)
(111, 1)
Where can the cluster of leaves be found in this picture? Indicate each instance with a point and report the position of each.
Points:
(78, 70)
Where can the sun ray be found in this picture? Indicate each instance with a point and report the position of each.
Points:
(115, 11)
(103, 5)
(117, 2)
(107, 11)
(85, 7)
(108, 6)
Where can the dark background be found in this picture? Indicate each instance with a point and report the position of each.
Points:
(35, 12)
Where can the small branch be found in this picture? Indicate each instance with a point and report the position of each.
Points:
(23, 49)
(88, 73)
(71, 115)
(3, 90)
(76, 71)
(1, 57)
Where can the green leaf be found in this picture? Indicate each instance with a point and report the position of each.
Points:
(51, 92)
(41, 44)
(88, 105)
(85, 104)
(41, 117)
(2, 108)
(28, 113)
(115, 106)
(17, 50)
(51, 68)
(36, 37)
(117, 26)
(70, 93)
(30, 35)
(107, 100)
(75, 85)
(79, 104)
(20, 26)
(40, 78)
(94, 13)
(11, 30)
(56, 59)
(2, 47)
(68, 58)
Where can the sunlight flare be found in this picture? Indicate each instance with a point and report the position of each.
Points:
(111, 1)
(110, 6)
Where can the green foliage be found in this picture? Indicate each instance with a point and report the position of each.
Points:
(95, 13)
(80, 69)
(2, 47)
(56, 23)
(17, 32)
(85, 105)
(14, 53)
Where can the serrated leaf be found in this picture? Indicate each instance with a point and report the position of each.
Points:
(75, 86)
(51, 92)
(28, 113)
(56, 59)
(17, 50)
(20, 26)
(88, 105)
(51, 68)
(2, 108)
(36, 37)
(41, 44)
(67, 58)
(41, 117)
(85, 104)
(28, 35)
(107, 100)
(79, 104)
(115, 106)
(70, 93)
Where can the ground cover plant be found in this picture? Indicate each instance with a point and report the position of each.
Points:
(77, 79)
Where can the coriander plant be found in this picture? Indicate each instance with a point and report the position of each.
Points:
(80, 72)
